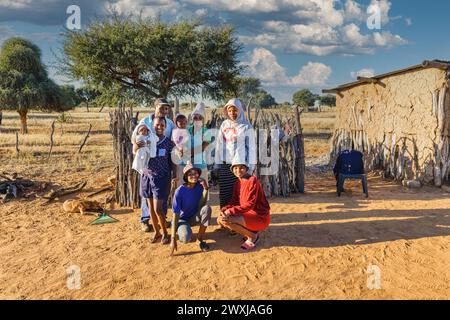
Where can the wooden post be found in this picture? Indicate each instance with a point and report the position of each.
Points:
(300, 166)
(51, 140)
(127, 185)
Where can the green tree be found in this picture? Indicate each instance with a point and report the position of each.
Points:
(70, 95)
(304, 98)
(156, 58)
(328, 100)
(265, 99)
(24, 83)
(87, 95)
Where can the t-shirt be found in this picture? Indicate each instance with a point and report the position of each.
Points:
(161, 165)
(185, 201)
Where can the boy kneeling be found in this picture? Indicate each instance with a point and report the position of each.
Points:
(190, 208)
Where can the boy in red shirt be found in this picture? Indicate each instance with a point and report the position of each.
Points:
(249, 212)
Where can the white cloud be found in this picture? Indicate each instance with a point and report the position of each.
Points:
(409, 22)
(353, 11)
(387, 39)
(15, 4)
(264, 65)
(201, 12)
(352, 35)
(144, 7)
(367, 72)
(313, 74)
(240, 5)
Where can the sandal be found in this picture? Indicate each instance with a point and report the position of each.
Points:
(165, 239)
(249, 245)
(155, 238)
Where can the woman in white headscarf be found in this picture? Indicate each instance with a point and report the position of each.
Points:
(235, 140)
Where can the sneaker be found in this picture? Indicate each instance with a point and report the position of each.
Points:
(145, 226)
(203, 246)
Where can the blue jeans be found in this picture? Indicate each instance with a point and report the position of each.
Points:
(202, 218)
(145, 211)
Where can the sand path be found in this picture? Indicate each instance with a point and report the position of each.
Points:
(318, 246)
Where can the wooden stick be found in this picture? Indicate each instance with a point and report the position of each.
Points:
(51, 139)
(108, 188)
(17, 143)
(63, 192)
(85, 138)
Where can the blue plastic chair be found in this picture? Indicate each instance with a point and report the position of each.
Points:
(341, 180)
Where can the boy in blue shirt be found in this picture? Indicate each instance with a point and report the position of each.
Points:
(190, 208)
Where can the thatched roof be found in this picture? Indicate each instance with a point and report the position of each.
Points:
(439, 64)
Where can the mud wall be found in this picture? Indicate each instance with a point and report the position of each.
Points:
(401, 124)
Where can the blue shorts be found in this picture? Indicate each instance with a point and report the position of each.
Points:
(154, 187)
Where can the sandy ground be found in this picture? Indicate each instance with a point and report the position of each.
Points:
(317, 247)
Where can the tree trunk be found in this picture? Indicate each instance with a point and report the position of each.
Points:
(23, 121)
(1, 117)
(87, 105)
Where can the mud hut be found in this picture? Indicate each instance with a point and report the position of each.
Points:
(399, 120)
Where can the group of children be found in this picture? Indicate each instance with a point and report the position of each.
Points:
(169, 155)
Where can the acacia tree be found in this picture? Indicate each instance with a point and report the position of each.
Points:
(24, 83)
(304, 98)
(328, 100)
(87, 95)
(154, 57)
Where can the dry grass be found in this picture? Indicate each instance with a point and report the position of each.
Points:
(34, 147)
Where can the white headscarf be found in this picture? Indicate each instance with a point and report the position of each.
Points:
(241, 119)
(199, 109)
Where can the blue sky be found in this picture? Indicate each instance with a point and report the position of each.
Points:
(288, 44)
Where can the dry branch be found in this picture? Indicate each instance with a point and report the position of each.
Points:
(63, 192)
(85, 138)
(108, 188)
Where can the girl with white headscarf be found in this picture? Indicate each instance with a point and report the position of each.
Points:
(235, 140)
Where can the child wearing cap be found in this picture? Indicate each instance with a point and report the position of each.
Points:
(248, 212)
(190, 208)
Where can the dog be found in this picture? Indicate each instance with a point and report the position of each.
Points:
(82, 206)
